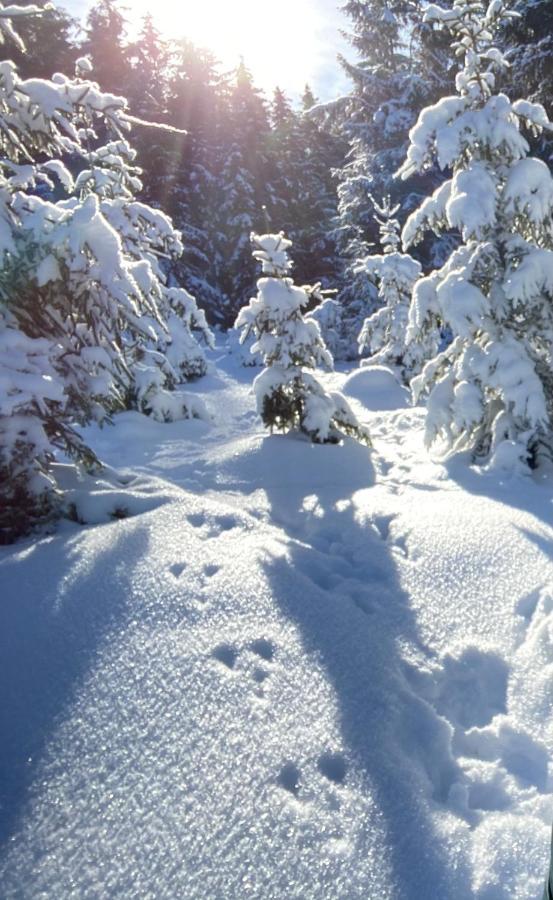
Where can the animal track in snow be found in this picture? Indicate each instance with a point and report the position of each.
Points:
(289, 778)
(212, 526)
(197, 520)
(514, 750)
(332, 766)
(260, 675)
(307, 785)
(211, 570)
(245, 661)
(264, 648)
(526, 605)
(226, 654)
(472, 687)
(177, 569)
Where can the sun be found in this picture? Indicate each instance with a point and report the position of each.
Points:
(279, 42)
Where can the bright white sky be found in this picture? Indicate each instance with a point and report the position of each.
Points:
(286, 43)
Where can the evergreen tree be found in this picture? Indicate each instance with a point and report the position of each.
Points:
(147, 93)
(528, 45)
(47, 43)
(375, 119)
(384, 333)
(190, 191)
(80, 282)
(315, 210)
(289, 396)
(400, 67)
(106, 46)
(244, 188)
(335, 329)
(528, 41)
(303, 158)
(491, 390)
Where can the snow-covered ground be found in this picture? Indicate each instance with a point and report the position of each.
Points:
(295, 671)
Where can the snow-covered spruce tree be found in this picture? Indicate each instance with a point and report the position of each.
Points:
(384, 334)
(289, 396)
(75, 304)
(491, 390)
(167, 352)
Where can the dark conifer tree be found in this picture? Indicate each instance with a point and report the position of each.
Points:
(49, 43)
(107, 47)
(244, 188)
(195, 107)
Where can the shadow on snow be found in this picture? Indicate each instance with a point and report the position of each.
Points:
(340, 585)
(51, 628)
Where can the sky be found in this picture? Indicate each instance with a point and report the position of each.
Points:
(287, 44)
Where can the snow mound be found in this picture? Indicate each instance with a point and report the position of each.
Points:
(289, 461)
(94, 499)
(377, 388)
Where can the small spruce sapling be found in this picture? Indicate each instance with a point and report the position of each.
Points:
(384, 333)
(289, 396)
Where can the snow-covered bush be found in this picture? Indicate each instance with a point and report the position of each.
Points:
(384, 334)
(288, 394)
(82, 294)
(491, 389)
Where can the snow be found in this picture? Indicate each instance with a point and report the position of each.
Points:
(376, 388)
(472, 219)
(529, 190)
(293, 671)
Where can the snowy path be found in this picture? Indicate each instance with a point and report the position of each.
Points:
(301, 672)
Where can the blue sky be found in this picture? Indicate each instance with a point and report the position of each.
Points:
(293, 43)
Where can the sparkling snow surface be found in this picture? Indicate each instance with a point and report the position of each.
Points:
(296, 671)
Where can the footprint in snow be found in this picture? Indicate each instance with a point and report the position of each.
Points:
(472, 687)
(264, 648)
(226, 654)
(214, 525)
(319, 783)
(246, 661)
(510, 747)
(333, 767)
(197, 520)
(289, 778)
(177, 569)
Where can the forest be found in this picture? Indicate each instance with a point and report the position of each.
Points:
(276, 459)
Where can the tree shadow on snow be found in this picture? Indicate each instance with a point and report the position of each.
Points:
(56, 611)
(340, 586)
(524, 492)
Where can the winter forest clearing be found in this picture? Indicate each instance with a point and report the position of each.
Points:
(276, 462)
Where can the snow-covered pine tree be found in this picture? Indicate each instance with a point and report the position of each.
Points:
(289, 396)
(75, 300)
(49, 41)
(167, 353)
(384, 334)
(491, 390)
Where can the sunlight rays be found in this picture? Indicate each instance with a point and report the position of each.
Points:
(279, 44)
